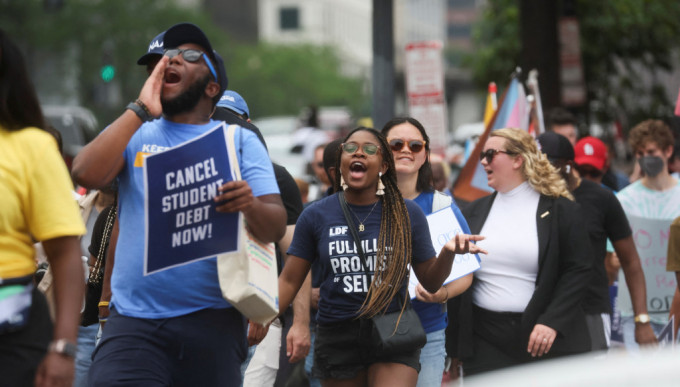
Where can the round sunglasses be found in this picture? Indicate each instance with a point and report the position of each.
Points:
(489, 154)
(352, 147)
(414, 145)
(191, 55)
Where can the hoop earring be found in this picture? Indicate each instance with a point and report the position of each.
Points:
(381, 186)
(342, 183)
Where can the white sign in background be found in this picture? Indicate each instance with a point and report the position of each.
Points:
(443, 227)
(651, 240)
(425, 89)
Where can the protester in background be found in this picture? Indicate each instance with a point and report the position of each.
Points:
(344, 351)
(310, 135)
(266, 364)
(201, 338)
(655, 196)
(411, 151)
(37, 203)
(440, 174)
(525, 301)
(590, 158)
(321, 178)
(604, 219)
(561, 121)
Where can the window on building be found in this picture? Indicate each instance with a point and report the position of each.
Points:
(289, 18)
(459, 31)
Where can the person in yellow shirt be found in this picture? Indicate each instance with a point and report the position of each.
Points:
(36, 205)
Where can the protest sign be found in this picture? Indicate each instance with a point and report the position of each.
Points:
(651, 240)
(443, 227)
(666, 337)
(181, 222)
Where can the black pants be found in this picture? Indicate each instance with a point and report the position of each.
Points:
(22, 351)
(497, 341)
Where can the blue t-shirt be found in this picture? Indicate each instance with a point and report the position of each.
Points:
(433, 316)
(184, 289)
(321, 234)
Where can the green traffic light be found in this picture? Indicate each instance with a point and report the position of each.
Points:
(108, 72)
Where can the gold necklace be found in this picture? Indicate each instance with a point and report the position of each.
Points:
(361, 222)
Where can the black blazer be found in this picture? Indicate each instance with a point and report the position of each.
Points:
(564, 270)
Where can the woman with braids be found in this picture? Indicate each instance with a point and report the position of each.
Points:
(524, 303)
(36, 204)
(411, 149)
(394, 234)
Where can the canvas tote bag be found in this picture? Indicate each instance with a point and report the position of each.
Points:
(248, 277)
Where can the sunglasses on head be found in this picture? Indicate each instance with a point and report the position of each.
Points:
(414, 145)
(489, 154)
(353, 147)
(191, 55)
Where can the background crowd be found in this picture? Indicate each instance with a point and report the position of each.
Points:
(552, 239)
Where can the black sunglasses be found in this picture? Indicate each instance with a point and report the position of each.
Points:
(353, 147)
(414, 145)
(489, 154)
(191, 55)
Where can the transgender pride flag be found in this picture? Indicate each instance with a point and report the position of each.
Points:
(513, 112)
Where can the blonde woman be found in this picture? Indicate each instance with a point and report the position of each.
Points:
(524, 302)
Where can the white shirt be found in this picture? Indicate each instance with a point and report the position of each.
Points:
(507, 278)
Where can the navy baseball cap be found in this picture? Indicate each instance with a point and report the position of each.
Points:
(555, 146)
(190, 33)
(234, 102)
(155, 49)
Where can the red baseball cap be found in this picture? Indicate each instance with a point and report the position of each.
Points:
(590, 151)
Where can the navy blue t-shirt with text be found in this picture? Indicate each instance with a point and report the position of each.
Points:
(321, 233)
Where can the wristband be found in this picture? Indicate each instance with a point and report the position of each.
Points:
(140, 110)
(103, 303)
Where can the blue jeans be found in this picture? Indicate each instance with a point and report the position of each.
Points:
(309, 361)
(87, 337)
(432, 360)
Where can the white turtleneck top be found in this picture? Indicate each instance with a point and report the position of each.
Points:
(507, 278)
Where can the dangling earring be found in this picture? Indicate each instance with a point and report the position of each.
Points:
(381, 186)
(342, 183)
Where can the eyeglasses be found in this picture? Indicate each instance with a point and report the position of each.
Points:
(414, 145)
(191, 55)
(489, 154)
(352, 147)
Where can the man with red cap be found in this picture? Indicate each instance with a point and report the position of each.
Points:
(604, 218)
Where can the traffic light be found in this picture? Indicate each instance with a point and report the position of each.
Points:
(108, 72)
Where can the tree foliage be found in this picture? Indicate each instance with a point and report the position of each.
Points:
(273, 79)
(628, 48)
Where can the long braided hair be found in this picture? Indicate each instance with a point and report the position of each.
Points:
(394, 240)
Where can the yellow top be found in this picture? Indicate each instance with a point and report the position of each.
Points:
(36, 200)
